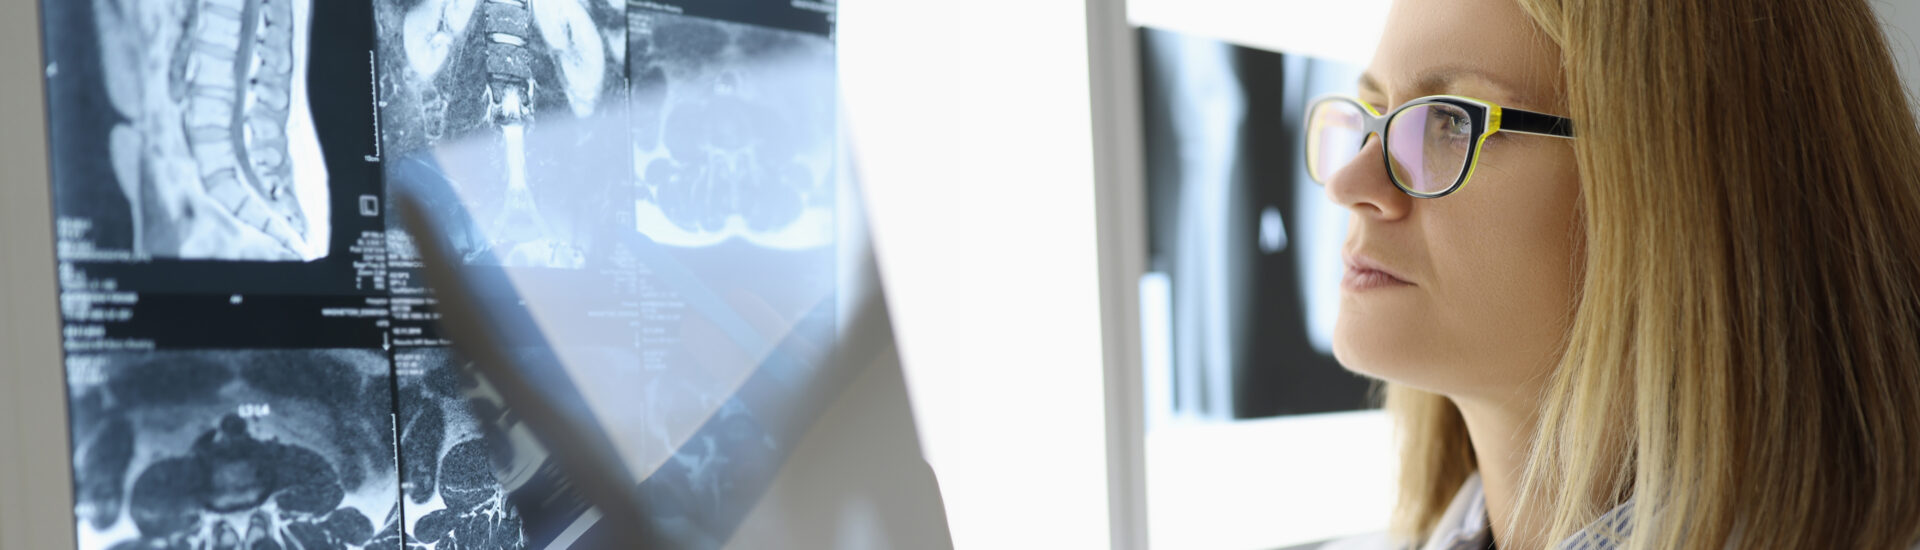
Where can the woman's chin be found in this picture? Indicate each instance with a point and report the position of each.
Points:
(1364, 351)
(1361, 358)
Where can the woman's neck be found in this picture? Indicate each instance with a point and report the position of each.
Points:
(1499, 431)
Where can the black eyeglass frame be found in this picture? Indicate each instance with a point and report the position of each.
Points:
(1488, 118)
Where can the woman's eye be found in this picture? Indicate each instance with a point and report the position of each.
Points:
(1451, 124)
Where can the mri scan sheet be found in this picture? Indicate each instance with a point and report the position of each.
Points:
(452, 496)
(192, 151)
(733, 132)
(253, 356)
(208, 138)
(234, 449)
(695, 312)
(702, 434)
(530, 93)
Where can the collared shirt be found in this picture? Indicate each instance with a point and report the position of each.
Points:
(1465, 527)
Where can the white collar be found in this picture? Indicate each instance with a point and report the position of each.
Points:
(1465, 525)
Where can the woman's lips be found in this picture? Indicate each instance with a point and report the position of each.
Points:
(1366, 274)
(1368, 279)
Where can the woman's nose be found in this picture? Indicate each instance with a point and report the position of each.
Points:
(1362, 185)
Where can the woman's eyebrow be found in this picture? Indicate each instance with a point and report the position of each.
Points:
(1442, 80)
(1369, 84)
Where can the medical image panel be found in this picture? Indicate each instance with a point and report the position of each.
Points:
(234, 449)
(181, 129)
(516, 108)
(453, 499)
(733, 132)
(1242, 288)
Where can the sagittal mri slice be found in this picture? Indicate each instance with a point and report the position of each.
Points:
(512, 104)
(733, 132)
(234, 449)
(206, 128)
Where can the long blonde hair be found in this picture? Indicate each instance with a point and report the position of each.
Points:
(1744, 356)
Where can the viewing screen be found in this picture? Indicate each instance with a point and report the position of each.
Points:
(251, 354)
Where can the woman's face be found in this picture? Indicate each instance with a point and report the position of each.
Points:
(1490, 271)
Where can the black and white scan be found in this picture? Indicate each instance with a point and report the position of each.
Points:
(516, 106)
(253, 354)
(733, 132)
(1241, 293)
(204, 147)
(453, 499)
(234, 449)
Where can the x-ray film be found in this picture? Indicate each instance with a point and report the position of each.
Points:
(1243, 247)
(253, 359)
(733, 132)
(213, 146)
(233, 449)
(518, 106)
(206, 133)
(447, 477)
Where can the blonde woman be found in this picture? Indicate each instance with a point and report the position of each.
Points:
(1637, 273)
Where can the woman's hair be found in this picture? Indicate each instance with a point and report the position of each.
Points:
(1744, 354)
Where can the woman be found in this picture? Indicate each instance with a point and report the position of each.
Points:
(1646, 278)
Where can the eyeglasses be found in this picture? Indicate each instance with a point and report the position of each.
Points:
(1432, 143)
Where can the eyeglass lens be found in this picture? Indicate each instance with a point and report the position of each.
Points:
(1427, 145)
(1335, 131)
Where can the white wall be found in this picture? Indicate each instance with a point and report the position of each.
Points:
(1902, 18)
(1278, 482)
(970, 125)
(1344, 30)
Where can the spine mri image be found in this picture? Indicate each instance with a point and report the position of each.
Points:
(733, 132)
(453, 499)
(514, 104)
(233, 449)
(251, 351)
(205, 131)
